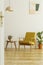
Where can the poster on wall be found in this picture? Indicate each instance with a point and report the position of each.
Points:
(34, 6)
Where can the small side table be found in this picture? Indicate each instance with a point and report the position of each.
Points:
(8, 41)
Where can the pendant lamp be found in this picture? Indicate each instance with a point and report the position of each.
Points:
(9, 8)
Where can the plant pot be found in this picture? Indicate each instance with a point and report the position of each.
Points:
(40, 46)
(37, 7)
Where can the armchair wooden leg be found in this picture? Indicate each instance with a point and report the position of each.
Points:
(35, 46)
(30, 47)
(19, 47)
(24, 46)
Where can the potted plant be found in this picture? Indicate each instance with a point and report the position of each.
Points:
(9, 37)
(40, 39)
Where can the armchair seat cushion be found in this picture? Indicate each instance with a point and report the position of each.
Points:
(26, 42)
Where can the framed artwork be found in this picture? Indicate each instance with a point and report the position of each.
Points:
(34, 6)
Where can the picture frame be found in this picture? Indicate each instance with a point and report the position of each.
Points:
(34, 6)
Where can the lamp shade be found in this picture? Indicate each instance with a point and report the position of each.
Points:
(9, 9)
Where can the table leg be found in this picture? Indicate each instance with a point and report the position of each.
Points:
(15, 44)
(6, 44)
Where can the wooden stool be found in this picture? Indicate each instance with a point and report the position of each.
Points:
(8, 41)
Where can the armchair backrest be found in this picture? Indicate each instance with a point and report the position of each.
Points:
(30, 36)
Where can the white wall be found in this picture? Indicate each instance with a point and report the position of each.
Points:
(20, 21)
(2, 34)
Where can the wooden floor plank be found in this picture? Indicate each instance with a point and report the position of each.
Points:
(23, 57)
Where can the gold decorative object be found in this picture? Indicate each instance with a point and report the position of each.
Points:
(1, 18)
(9, 8)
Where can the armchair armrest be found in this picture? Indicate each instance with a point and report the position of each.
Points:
(21, 38)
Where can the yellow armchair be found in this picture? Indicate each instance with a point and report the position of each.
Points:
(29, 39)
